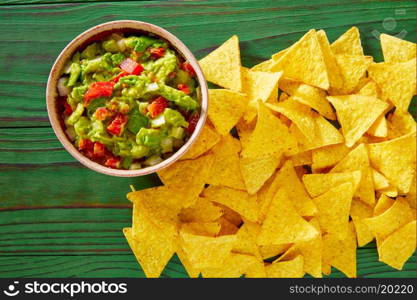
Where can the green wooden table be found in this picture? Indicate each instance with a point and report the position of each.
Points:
(59, 219)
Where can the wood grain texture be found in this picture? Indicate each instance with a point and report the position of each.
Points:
(264, 27)
(88, 242)
(59, 219)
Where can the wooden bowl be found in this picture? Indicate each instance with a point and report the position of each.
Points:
(97, 33)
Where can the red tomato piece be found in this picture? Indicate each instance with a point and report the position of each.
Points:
(131, 67)
(117, 78)
(113, 162)
(85, 144)
(101, 113)
(68, 108)
(184, 88)
(157, 106)
(97, 90)
(99, 150)
(186, 66)
(157, 52)
(116, 127)
(192, 122)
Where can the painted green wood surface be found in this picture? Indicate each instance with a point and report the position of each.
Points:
(59, 219)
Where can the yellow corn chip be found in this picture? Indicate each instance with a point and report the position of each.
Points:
(202, 211)
(382, 205)
(205, 141)
(235, 265)
(379, 128)
(279, 54)
(230, 215)
(399, 246)
(328, 156)
(400, 123)
(227, 227)
(246, 240)
(341, 254)
(283, 224)
(317, 184)
(396, 50)
(356, 114)
(396, 160)
(264, 66)
(396, 81)
(390, 191)
(411, 196)
(316, 99)
(380, 182)
(360, 211)
(369, 89)
(289, 85)
(286, 269)
(358, 159)
(304, 62)
(223, 67)
(334, 206)
(270, 251)
(348, 43)
(302, 158)
(206, 229)
(225, 109)
(191, 271)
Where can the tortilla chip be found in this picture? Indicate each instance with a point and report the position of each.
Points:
(356, 114)
(206, 252)
(202, 211)
(334, 207)
(289, 85)
(302, 158)
(399, 246)
(279, 54)
(328, 156)
(411, 196)
(264, 66)
(318, 184)
(358, 159)
(225, 169)
(369, 89)
(283, 96)
(235, 265)
(198, 228)
(205, 141)
(382, 205)
(396, 81)
(396, 160)
(230, 215)
(246, 240)
(396, 50)
(223, 66)
(283, 224)
(286, 269)
(191, 271)
(239, 201)
(152, 250)
(335, 77)
(316, 99)
(304, 62)
(390, 191)
(348, 43)
(379, 128)
(400, 123)
(225, 109)
(227, 227)
(270, 251)
(380, 181)
(341, 254)
(358, 212)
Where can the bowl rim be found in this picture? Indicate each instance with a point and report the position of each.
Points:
(74, 45)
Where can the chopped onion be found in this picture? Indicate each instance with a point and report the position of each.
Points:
(135, 166)
(121, 44)
(152, 87)
(71, 133)
(63, 90)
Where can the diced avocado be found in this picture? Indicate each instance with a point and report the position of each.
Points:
(158, 122)
(163, 66)
(136, 122)
(126, 162)
(122, 148)
(139, 151)
(178, 97)
(77, 94)
(110, 46)
(166, 145)
(177, 132)
(149, 137)
(139, 44)
(117, 58)
(143, 107)
(94, 104)
(91, 51)
(76, 57)
(76, 114)
(82, 126)
(153, 160)
(74, 74)
(175, 118)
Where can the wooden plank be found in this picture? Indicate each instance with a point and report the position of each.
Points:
(264, 27)
(85, 242)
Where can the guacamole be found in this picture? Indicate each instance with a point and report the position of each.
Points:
(128, 101)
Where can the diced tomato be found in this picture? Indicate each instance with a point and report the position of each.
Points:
(131, 67)
(192, 122)
(157, 52)
(186, 66)
(68, 108)
(99, 150)
(113, 162)
(157, 106)
(117, 78)
(184, 88)
(85, 144)
(97, 90)
(101, 113)
(116, 127)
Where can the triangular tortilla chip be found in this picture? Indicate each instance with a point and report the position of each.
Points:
(382, 205)
(264, 66)
(396, 81)
(348, 43)
(369, 89)
(239, 201)
(358, 212)
(225, 109)
(283, 224)
(202, 228)
(225, 169)
(286, 269)
(400, 123)
(191, 271)
(316, 99)
(304, 62)
(411, 196)
(396, 50)
(358, 159)
(396, 160)
(328, 156)
(223, 66)
(379, 128)
(399, 246)
(205, 141)
(341, 254)
(356, 114)
(317, 184)
(235, 266)
(202, 211)
(380, 181)
(333, 209)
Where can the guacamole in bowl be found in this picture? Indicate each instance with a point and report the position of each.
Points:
(128, 101)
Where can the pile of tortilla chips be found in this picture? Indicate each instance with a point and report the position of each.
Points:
(305, 157)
